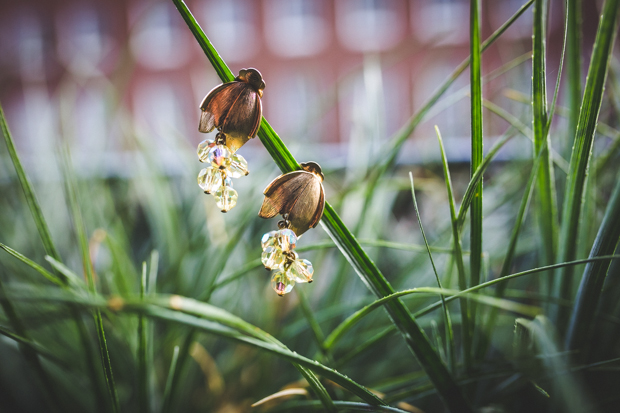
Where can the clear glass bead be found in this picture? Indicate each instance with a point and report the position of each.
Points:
(272, 258)
(301, 271)
(238, 166)
(268, 239)
(286, 239)
(226, 198)
(281, 284)
(210, 180)
(204, 148)
(219, 157)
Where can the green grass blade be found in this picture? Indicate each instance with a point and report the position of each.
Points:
(312, 380)
(37, 348)
(590, 289)
(360, 348)
(458, 255)
(45, 273)
(72, 195)
(551, 110)
(171, 376)
(437, 305)
(414, 336)
(143, 398)
(346, 325)
(573, 66)
(217, 321)
(73, 279)
(310, 405)
(356, 317)
(320, 390)
(510, 253)
(401, 136)
(476, 216)
(397, 141)
(50, 248)
(312, 321)
(31, 198)
(446, 314)
(369, 273)
(546, 198)
(582, 148)
(470, 191)
(29, 354)
(558, 160)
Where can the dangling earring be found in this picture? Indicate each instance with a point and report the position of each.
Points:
(235, 109)
(299, 197)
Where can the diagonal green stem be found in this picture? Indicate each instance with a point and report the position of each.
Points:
(475, 70)
(414, 336)
(591, 287)
(72, 195)
(545, 181)
(582, 148)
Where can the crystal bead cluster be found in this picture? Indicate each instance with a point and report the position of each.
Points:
(278, 255)
(224, 165)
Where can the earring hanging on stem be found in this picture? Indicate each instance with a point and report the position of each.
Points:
(299, 197)
(235, 109)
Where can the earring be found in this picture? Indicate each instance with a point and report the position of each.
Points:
(235, 109)
(299, 197)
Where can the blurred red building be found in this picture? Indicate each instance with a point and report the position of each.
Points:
(339, 73)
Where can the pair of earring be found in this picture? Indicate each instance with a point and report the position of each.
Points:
(235, 109)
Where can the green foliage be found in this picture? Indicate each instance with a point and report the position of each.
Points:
(196, 327)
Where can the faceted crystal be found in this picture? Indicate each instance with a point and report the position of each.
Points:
(286, 239)
(204, 148)
(281, 284)
(219, 157)
(268, 239)
(210, 179)
(238, 166)
(226, 198)
(301, 271)
(272, 258)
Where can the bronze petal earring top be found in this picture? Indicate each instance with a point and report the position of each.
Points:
(235, 109)
(299, 197)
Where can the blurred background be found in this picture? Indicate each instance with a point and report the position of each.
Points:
(338, 73)
(120, 83)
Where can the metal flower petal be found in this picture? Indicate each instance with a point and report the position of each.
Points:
(234, 108)
(298, 195)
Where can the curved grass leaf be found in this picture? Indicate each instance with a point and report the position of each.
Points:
(72, 195)
(512, 247)
(470, 191)
(436, 305)
(50, 248)
(31, 264)
(397, 141)
(353, 319)
(582, 147)
(31, 198)
(369, 273)
(28, 352)
(590, 289)
(573, 65)
(545, 180)
(171, 375)
(460, 266)
(309, 405)
(446, 314)
(143, 398)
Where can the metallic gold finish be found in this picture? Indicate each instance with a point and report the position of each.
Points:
(234, 108)
(298, 196)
